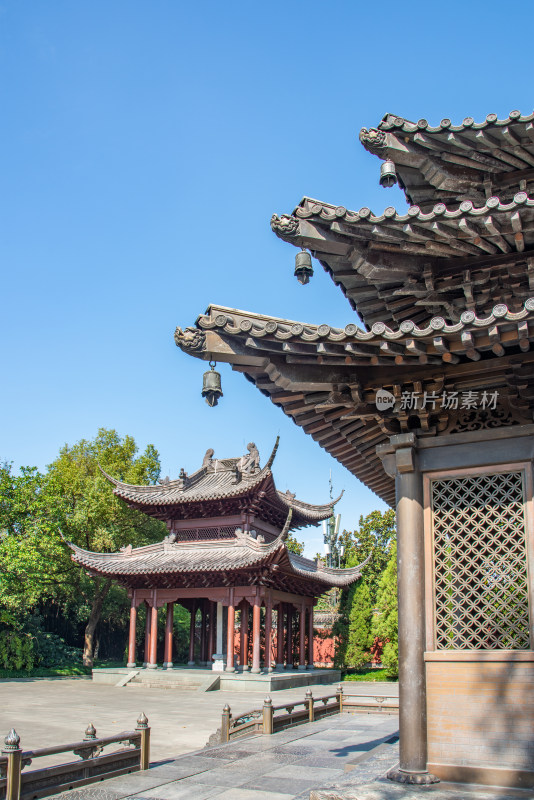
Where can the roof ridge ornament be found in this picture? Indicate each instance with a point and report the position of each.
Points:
(249, 464)
(273, 454)
(287, 525)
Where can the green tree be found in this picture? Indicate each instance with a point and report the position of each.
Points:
(359, 632)
(74, 500)
(33, 567)
(294, 546)
(90, 515)
(385, 624)
(371, 540)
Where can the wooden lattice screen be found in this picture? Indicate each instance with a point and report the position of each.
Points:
(480, 562)
(196, 534)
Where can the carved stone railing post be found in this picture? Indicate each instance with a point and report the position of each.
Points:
(339, 697)
(311, 709)
(268, 715)
(225, 724)
(144, 730)
(12, 750)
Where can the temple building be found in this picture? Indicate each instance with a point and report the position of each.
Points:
(429, 401)
(225, 554)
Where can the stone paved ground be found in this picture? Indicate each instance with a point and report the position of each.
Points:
(284, 766)
(47, 712)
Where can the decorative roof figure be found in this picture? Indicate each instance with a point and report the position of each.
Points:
(249, 464)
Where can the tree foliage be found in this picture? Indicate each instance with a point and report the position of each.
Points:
(294, 546)
(385, 624)
(359, 631)
(353, 628)
(72, 500)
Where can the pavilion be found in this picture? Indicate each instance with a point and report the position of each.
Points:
(225, 552)
(430, 404)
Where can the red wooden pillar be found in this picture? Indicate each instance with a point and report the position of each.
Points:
(256, 622)
(131, 637)
(280, 637)
(243, 642)
(302, 637)
(310, 639)
(153, 660)
(230, 633)
(203, 632)
(191, 662)
(169, 624)
(268, 626)
(289, 643)
(147, 635)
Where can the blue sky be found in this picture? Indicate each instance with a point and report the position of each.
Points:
(145, 146)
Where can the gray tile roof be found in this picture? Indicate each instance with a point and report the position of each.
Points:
(220, 481)
(201, 558)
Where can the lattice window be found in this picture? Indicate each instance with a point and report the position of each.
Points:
(480, 562)
(197, 534)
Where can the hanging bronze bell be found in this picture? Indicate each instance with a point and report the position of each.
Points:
(303, 267)
(388, 175)
(211, 387)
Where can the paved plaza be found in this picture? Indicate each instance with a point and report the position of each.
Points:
(342, 756)
(284, 766)
(48, 711)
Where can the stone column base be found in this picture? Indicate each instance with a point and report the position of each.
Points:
(168, 665)
(151, 666)
(130, 664)
(191, 663)
(219, 662)
(414, 777)
(302, 667)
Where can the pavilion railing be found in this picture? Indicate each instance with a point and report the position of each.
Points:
(18, 784)
(271, 719)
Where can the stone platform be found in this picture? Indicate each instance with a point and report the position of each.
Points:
(204, 679)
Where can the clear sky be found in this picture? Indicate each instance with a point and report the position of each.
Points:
(145, 146)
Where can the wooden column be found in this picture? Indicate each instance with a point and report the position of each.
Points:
(131, 637)
(268, 627)
(280, 638)
(256, 622)
(310, 638)
(411, 597)
(147, 635)
(153, 660)
(243, 643)
(302, 637)
(169, 624)
(191, 662)
(289, 642)
(203, 632)
(230, 633)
